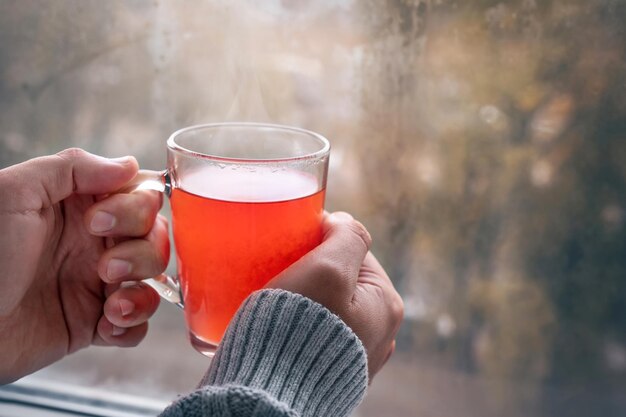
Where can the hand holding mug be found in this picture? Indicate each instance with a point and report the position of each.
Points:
(345, 277)
(55, 246)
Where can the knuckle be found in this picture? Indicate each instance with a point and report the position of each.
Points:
(11, 191)
(145, 219)
(330, 274)
(146, 211)
(397, 308)
(158, 262)
(359, 230)
(162, 220)
(158, 239)
(145, 224)
(72, 153)
(148, 199)
(328, 269)
(158, 198)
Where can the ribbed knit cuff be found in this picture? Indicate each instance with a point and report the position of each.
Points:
(295, 350)
(229, 401)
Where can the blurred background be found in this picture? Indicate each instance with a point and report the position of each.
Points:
(482, 142)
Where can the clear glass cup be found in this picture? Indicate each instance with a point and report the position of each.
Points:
(247, 201)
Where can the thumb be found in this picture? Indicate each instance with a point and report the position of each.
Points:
(328, 274)
(56, 177)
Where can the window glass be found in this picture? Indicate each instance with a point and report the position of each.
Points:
(483, 143)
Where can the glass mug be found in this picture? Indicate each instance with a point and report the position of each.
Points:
(247, 201)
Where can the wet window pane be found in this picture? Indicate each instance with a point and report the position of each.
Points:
(483, 143)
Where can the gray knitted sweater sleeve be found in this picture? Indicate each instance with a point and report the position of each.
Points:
(282, 355)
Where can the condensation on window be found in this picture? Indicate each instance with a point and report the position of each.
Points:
(481, 142)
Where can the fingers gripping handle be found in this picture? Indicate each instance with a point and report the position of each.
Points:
(167, 287)
(145, 179)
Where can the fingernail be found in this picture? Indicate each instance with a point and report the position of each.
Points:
(102, 222)
(117, 268)
(342, 215)
(122, 161)
(118, 331)
(126, 307)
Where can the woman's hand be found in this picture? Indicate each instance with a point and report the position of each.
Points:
(344, 276)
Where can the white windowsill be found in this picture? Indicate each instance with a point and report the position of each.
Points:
(35, 397)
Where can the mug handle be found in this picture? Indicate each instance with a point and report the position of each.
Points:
(166, 286)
